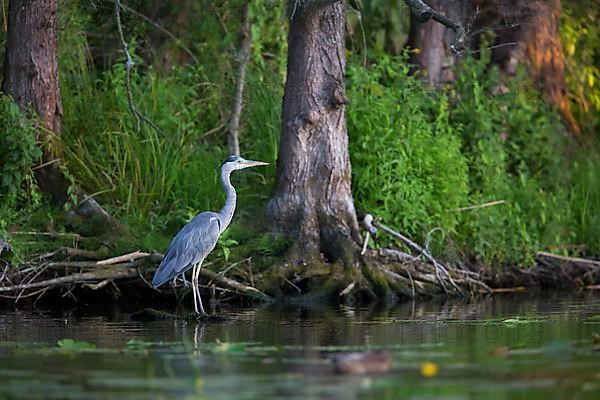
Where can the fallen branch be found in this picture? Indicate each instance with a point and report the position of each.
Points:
(569, 259)
(347, 289)
(397, 255)
(478, 206)
(50, 234)
(240, 287)
(125, 257)
(508, 290)
(116, 272)
(74, 252)
(437, 265)
(235, 264)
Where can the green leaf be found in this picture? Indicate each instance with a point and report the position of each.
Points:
(74, 345)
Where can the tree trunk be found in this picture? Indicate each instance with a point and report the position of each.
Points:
(313, 202)
(534, 26)
(31, 79)
(430, 42)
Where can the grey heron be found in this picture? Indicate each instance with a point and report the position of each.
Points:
(199, 236)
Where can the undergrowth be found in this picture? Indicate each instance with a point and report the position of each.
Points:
(427, 162)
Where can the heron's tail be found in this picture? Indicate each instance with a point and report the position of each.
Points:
(164, 273)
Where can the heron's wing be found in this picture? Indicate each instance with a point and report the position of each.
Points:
(190, 246)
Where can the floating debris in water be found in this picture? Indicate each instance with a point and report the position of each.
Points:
(371, 362)
(501, 351)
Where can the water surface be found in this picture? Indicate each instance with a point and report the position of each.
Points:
(504, 347)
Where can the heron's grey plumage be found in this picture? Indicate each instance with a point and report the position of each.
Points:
(190, 246)
(199, 236)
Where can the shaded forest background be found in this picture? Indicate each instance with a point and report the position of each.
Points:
(424, 158)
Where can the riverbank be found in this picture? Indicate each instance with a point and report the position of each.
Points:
(81, 276)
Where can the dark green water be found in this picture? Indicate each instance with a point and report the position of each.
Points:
(282, 352)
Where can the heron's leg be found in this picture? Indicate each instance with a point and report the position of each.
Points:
(195, 283)
(200, 298)
(194, 287)
(185, 282)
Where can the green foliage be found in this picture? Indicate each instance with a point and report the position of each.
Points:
(70, 345)
(580, 35)
(384, 24)
(156, 181)
(519, 153)
(419, 156)
(407, 165)
(419, 160)
(145, 171)
(513, 143)
(19, 152)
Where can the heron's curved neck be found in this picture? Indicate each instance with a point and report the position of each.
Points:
(226, 212)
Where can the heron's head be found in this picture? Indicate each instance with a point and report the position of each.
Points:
(233, 163)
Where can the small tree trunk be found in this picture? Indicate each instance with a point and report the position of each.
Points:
(534, 26)
(431, 41)
(233, 130)
(313, 202)
(31, 79)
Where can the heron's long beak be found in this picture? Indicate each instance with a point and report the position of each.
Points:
(251, 163)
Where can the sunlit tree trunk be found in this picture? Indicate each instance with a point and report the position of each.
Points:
(31, 79)
(313, 202)
(533, 27)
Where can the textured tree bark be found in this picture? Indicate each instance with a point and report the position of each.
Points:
(534, 26)
(313, 202)
(431, 41)
(31, 79)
